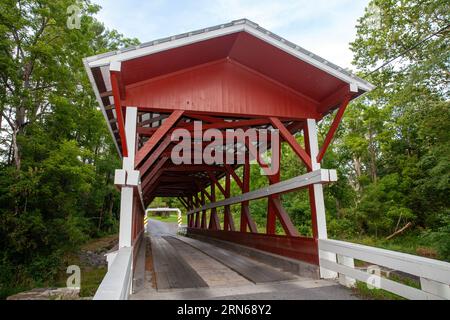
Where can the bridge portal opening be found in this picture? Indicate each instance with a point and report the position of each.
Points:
(171, 106)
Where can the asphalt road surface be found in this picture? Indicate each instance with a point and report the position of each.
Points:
(158, 228)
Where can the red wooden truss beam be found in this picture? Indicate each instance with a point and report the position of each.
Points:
(115, 76)
(289, 138)
(157, 136)
(236, 178)
(333, 128)
(336, 98)
(283, 216)
(148, 193)
(228, 219)
(197, 201)
(214, 180)
(205, 126)
(183, 202)
(213, 219)
(252, 150)
(155, 172)
(151, 120)
(228, 222)
(193, 167)
(203, 222)
(155, 155)
(202, 190)
(204, 118)
(271, 208)
(246, 218)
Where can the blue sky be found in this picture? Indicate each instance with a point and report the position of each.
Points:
(324, 27)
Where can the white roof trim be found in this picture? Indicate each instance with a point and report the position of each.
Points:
(225, 29)
(140, 52)
(100, 102)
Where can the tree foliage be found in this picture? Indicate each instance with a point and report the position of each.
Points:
(392, 149)
(56, 155)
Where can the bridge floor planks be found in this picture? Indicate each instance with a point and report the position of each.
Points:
(171, 270)
(248, 268)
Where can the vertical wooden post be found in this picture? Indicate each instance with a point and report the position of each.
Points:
(127, 192)
(228, 222)
(245, 189)
(317, 204)
(191, 216)
(271, 209)
(197, 214)
(214, 219)
(203, 222)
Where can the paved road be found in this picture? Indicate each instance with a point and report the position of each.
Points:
(158, 228)
(221, 287)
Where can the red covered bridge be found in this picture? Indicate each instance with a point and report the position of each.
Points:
(231, 76)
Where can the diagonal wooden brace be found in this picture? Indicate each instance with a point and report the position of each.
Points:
(157, 136)
(289, 138)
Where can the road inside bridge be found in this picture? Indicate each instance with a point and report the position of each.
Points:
(158, 228)
(178, 267)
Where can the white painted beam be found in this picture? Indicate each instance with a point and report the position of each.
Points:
(127, 192)
(115, 66)
(319, 203)
(434, 274)
(313, 177)
(117, 282)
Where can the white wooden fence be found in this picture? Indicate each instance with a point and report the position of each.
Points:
(434, 274)
(116, 284)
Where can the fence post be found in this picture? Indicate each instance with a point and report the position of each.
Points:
(316, 198)
(343, 279)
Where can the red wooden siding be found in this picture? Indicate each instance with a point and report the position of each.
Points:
(222, 87)
(300, 248)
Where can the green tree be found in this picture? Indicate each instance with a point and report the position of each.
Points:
(401, 128)
(56, 155)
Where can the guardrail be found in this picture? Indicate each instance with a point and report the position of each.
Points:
(434, 274)
(116, 284)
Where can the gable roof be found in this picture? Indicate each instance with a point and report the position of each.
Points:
(242, 41)
(246, 25)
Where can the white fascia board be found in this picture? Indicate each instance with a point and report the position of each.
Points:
(310, 60)
(140, 52)
(103, 60)
(100, 102)
(115, 66)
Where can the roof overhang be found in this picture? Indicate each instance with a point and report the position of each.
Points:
(241, 40)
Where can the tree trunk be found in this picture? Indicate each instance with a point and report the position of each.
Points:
(357, 166)
(373, 157)
(15, 148)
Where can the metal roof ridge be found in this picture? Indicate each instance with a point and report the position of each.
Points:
(245, 22)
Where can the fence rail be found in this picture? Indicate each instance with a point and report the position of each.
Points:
(310, 178)
(434, 275)
(116, 284)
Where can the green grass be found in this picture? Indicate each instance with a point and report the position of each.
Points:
(364, 292)
(412, 244)
(173, 218)
(90, 279)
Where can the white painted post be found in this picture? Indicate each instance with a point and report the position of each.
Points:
(436, 288)
(311, 126)
(126, 196)
(348, 262)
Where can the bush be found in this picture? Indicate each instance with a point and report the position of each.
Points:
(440, 238)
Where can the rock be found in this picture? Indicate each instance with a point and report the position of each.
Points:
(47, 294)
(93, 259)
